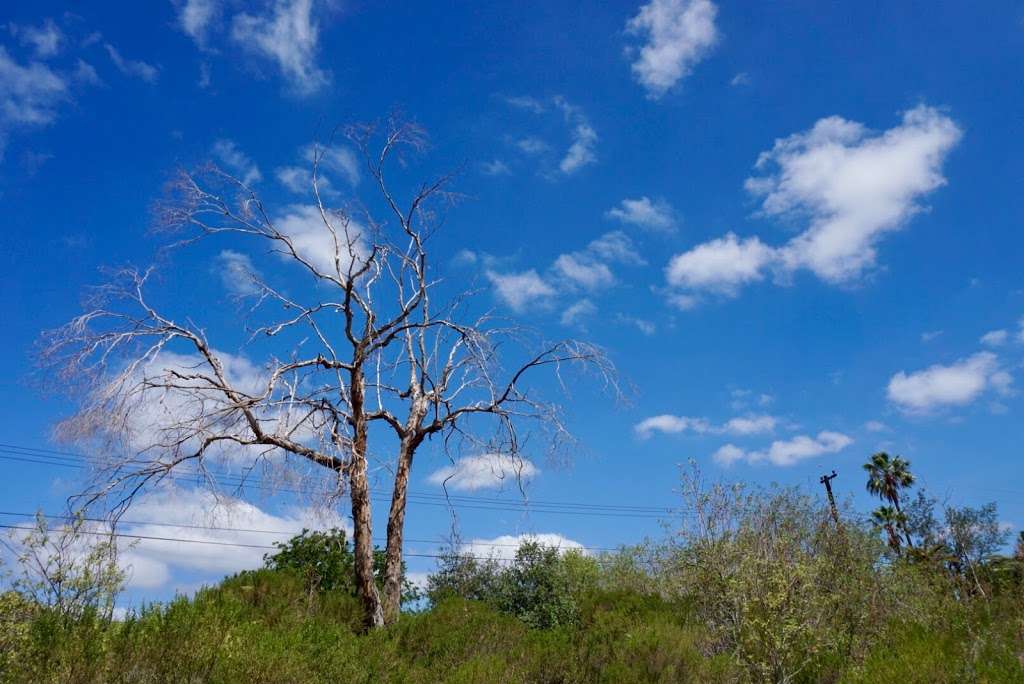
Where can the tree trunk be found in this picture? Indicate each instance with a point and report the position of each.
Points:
(903, 524)
(396, 526)
(362, 521)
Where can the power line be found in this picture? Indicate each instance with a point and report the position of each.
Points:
(78, 457)
(209, 542)
(247, 530)
(71, 460)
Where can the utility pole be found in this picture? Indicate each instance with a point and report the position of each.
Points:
(827, 481)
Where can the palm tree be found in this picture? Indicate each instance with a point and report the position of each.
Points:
(886, 477)
(888, 519)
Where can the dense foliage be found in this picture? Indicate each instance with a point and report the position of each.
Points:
(751, 586)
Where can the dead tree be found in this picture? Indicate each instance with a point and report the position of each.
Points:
(360, 342)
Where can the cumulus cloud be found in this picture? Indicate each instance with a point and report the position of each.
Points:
(721, 265)
(30, 95)
(229, 154)
(132, 67)
(751, 425)
(653, 215)
(677, 35)
(786, 452)
(486, 471)
(151, 563)
(520, 290)
(940, 386)
(289, 36)
(667, 423)
(851, 186)
(671, 424)
(314, 241)
(505, 546)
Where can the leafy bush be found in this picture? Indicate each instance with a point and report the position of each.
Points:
(541, 586)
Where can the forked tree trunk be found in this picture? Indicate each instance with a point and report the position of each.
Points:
(362, 521)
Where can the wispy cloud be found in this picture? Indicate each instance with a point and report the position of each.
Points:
(131, 67)
(653, 215)
(289, 36)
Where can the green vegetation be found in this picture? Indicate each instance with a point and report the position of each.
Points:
(753, 585)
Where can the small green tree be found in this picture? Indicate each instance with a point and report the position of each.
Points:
(68, 569)
(542, 585)
(327, 562)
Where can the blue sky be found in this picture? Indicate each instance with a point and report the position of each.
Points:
(795, 229)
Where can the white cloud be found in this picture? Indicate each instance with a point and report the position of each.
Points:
(721, 265)
(670, 424)
(577, 312)
(616, 247)
(45, 40)
(85, 73)
(505, 546)
(995, 338)
(196, 17)
(299, 179)
(678, 34)
(520, 290)
(334, 159)
(588, 269)
(486, 471)
(151, 563)
(532, 145)
(530, 104)
(853, 186)
(787, 452)
(930, 335)
(188, 410)
(584, 138)
(727, 454)
(940, 386)
(583, 272)
(741, 79)
(337, 159)
(314, 242)
(875, 426)
(751, 425)
(228, 152)
(29, 95)
(131, 67)
(644, 326)
(643, 212)
(289, 36)
(237, 273)
(495, 167)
